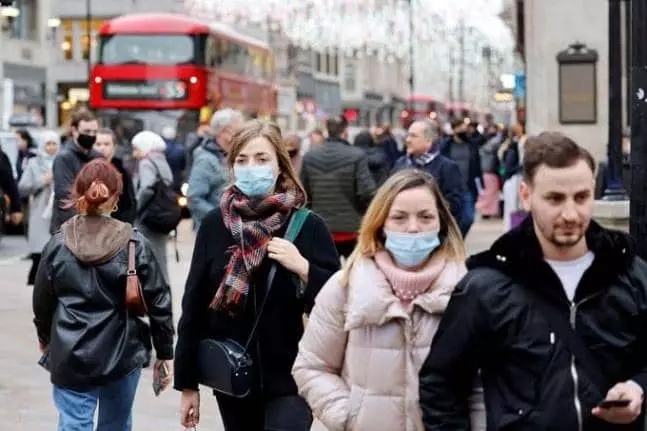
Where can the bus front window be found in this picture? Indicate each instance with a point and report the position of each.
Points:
(173, 49)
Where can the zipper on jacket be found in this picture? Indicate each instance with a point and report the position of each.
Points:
(575, 376)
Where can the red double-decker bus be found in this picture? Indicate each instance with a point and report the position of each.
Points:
(422, 107)
(157, 70)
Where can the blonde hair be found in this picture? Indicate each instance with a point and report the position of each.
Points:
(261, 129)
(371, 236)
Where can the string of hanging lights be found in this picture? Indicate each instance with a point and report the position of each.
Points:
(379, 28)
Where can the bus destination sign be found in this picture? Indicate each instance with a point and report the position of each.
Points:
(147, 90)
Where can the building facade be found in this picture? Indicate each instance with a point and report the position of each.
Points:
(374, 90)
(550, 27)
(73, 43)
(23, 62)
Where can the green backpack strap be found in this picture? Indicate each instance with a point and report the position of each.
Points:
(294, 227)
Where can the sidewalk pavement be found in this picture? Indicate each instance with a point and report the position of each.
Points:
(25, 392)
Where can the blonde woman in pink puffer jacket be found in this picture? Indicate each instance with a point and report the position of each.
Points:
(372, 325)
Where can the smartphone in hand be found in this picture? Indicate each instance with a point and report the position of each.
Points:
(609, 404)
(160, 373)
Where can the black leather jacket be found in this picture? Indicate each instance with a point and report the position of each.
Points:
(530, 379)
(79, 307)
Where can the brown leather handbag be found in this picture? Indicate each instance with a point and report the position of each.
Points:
(135, 302)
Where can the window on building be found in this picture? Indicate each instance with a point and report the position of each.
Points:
(67, 44)
(349, 75)
(319, 62)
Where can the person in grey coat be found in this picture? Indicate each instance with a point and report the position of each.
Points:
(148, 149)
(209, 175)
(36, 184)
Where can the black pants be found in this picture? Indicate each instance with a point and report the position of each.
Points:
(35, 260)
(254, 413)
(345, 248)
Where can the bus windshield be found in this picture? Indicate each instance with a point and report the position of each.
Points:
(172, 49)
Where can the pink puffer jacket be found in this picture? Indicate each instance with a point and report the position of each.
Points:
(359, 358)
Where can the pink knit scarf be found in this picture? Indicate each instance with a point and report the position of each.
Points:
(408, 285)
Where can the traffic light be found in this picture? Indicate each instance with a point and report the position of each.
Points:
(6, 3)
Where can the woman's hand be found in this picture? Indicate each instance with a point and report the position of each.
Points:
(286, 253)
(190, 408)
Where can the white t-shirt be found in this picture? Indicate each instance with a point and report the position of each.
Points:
(570, 272)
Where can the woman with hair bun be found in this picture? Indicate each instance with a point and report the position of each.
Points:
(93, 346)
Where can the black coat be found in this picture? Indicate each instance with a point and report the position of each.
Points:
(67, 165)
(127, 205)
(491, 324)
(281, 325)
(80, 315)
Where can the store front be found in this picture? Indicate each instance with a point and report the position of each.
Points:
(70, 97)
(26, 88)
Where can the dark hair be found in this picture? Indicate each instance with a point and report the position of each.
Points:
(336, 126)
(457, 123)
(364, 140)
(554, 150)
(24, 134)
(95, 184)
(82, 115)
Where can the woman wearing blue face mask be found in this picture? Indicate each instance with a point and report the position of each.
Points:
(373, 322)
(236, 247)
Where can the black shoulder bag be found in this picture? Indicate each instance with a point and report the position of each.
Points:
(563, 329)
(224, 365)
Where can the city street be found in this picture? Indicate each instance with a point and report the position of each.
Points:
(25, 392)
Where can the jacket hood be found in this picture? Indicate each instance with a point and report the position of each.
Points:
(95, 239)
(518, 255)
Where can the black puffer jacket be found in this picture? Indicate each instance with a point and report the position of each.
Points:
(79, 304)
(339, 184)
(528, 380)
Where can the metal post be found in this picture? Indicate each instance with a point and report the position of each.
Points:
(638, 212)
(412, 64)
(627, 46)
(615, 188)
(88, 22)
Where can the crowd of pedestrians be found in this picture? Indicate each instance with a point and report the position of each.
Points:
(329, 280)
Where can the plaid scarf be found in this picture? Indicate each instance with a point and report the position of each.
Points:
(252, 223)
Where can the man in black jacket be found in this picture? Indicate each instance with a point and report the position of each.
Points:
(420, 155)
(127, 205)
(339, 184)
(70, 161)
(556, 282)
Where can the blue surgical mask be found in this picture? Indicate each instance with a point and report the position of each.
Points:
(411, 249)
(256, 181)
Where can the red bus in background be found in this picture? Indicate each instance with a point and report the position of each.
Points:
(422, 107)
(157, 70)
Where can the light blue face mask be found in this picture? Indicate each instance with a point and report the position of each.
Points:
(256, 181)
(411, 249)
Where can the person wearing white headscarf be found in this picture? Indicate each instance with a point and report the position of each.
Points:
(148, 149)
(36, 184)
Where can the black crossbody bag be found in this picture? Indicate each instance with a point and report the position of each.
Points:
(225, 365)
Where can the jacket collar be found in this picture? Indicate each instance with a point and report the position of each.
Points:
(518, 255)
(371, 301)
(337, 141)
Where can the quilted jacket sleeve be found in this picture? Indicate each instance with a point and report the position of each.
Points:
(317, 369)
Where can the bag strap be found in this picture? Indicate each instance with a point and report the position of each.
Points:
(295, 224)
(562, 327)
(132, 266)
